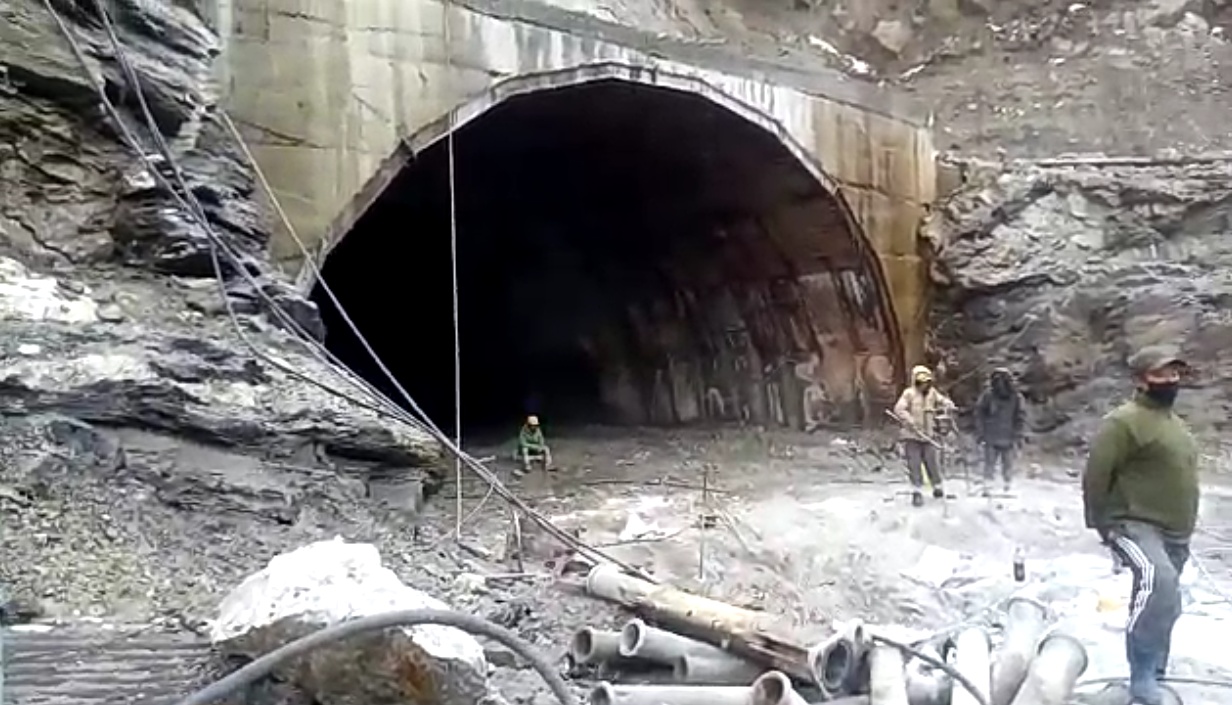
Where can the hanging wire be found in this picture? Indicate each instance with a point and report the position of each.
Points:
(453, 277)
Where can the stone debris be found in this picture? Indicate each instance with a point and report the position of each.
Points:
(332, 581)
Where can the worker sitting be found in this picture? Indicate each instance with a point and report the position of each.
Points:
(531, 445)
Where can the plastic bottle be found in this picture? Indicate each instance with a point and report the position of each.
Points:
(1020, 566)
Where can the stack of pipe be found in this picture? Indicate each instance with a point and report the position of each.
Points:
(722, 655)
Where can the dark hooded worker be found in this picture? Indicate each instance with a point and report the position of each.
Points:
(1000, 417)
(922, 411)
(1141, 495)
(532, 447)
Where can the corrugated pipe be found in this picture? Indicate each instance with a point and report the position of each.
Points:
(973, 660)
(724, 669)
(607, 694)
(887, 681)
(1061, 659)
(927, 685)
(642, 641)
(1025, 622)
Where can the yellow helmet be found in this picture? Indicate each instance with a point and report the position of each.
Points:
(920, 373)
(532, 420)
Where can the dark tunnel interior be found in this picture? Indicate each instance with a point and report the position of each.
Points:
(625, 254)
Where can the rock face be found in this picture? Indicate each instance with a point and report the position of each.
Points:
(145, 424)
(332, 581)
(1060, 273)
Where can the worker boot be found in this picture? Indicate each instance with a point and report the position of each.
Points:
(917, 499)
(938, 493)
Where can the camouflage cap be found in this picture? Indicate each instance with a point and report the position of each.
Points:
(1154, 358)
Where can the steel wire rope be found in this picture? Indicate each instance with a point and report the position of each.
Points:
(264, 665)
(190, 203)
(453, 278)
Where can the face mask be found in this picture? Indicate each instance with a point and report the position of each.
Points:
(1164, 393)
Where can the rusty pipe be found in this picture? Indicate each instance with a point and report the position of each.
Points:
(1025, 622)
(591, 647)
(973, 660)
(607, 694)
(887, 680)
(927, 685)
(702, 669)
(774, 688)
(1061, 659)
(642, 641)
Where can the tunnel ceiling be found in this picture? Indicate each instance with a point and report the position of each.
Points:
(625, 254)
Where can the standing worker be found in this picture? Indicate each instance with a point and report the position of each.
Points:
(922, 410)
(1141, 495)
(1000, 417)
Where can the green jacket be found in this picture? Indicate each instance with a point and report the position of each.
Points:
(531, 438)
(1143, 466)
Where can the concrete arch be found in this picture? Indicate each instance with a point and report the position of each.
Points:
(850, 296)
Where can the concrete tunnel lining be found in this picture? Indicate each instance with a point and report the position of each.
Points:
(734, 289)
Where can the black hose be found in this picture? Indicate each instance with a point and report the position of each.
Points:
(264, 665)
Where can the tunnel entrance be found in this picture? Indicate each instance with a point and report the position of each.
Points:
(625, 254)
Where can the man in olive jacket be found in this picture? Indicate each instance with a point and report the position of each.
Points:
(1000, 418)
(1141, 494)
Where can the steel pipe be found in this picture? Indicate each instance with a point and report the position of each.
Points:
(1061, 659)
(927, 685)
(699, 669)
(774, 688)
(642, 641)
(591, 647)
(1025, 622)
(887, 680)
(607, 694)
(973, 660)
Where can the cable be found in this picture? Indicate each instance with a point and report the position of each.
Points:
(471, 624)
(193, 207)
(937, 663)
(1180, 680)
(453, 278)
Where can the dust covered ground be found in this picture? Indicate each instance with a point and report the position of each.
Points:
(816, 528)
(821, 529)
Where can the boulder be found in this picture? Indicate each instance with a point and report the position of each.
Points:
(333, 581)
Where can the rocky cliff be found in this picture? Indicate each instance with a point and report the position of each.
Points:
(1061, 272)
(146, 424)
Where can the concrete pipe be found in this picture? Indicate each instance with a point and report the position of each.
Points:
(642, 641)
(1025, 622)
(608, 694)
(887, 679)
(1061, 659)
(697, 669)
(592, 647)
(835, 662)
(927, 685)
(774, 688)
(973, 660)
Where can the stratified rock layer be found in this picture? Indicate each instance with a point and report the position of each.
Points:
(1060, 273)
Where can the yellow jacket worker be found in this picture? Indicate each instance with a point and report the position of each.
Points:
(920, 408)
